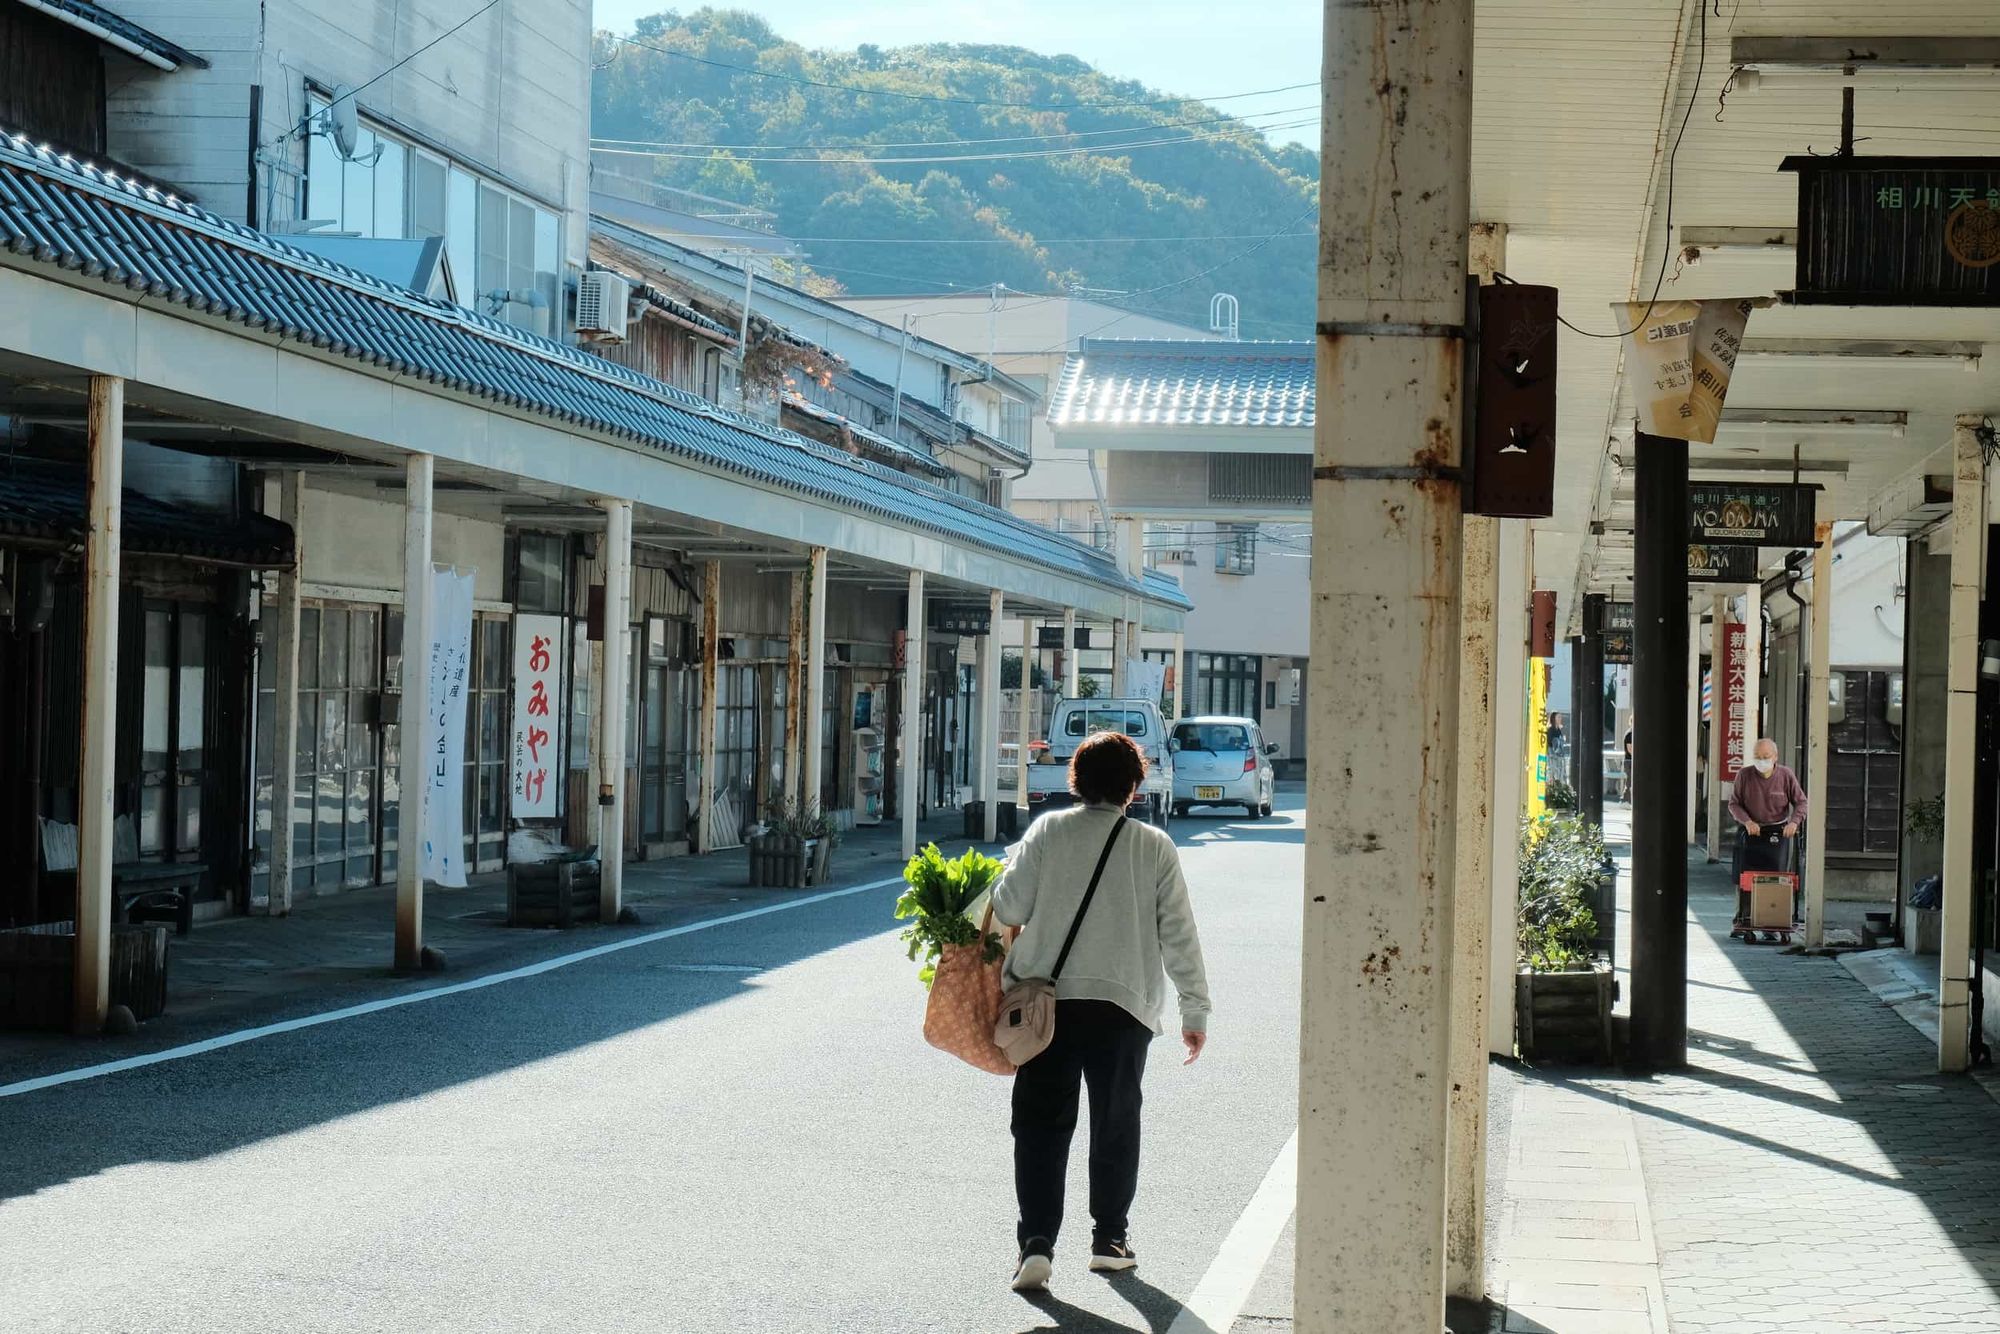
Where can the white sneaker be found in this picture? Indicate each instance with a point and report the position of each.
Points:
(1032, 1274)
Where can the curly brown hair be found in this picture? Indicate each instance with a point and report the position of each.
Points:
(1107, 767)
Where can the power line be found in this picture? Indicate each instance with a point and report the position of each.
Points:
(1112, 149)
(393, 68)
(1241, 119)
(933, 97)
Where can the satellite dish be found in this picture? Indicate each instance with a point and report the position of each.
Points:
(341, 120)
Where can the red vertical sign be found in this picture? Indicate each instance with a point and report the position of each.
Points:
(1732, 698)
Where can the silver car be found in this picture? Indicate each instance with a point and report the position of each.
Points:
(1222, 762)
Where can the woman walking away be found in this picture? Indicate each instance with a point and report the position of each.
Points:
(1110, 949)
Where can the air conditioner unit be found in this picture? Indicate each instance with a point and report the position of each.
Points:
(602, 300)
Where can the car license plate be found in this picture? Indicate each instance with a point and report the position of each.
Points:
(1208, 793)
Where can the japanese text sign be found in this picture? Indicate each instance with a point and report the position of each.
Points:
(449, 660)
(1898, 231)
(1751, 514)
(537, 742)
(1682, 354)
(1732, 700)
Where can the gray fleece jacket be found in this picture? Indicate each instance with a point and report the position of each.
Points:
(1138, 933)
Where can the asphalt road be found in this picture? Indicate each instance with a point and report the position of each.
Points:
(736, 1129)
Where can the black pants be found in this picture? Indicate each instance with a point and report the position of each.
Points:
(1104, 1046)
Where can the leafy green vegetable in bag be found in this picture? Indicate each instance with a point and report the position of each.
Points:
(939, 901)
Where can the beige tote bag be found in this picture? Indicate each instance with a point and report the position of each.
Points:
(965, 1004)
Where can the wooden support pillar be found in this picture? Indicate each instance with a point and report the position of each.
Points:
(711, 681)
(1180, 676)
(281, 641)
(413, 763)
(1119, 650)
(814, 695)
(1753, 673)
(912, 767)
(98, 765)
(1027, 712)
(795, 684)
(1072, 660)
(613, 692)
(988, 754)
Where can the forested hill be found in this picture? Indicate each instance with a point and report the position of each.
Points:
(1019, 205)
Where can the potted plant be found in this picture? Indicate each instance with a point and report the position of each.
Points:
(794, 847)
(944, 903)
(1563, 989)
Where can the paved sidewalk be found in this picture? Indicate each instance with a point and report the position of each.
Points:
(336, 950)
(1809, 1171)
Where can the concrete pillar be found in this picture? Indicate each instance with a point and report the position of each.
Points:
(412, 762)
(1753, 668)
(1719, 761)
(1968, 571)
(1027, 712)
(1180, 676)
(98, 763)
(711, 675)
(1072, 660)
(613, 690)
(281, 641)
(911, 770)
(988, 753)
(1927, 627)
(795, 684)
(1472, 911)
(1817, 753)
(1587, 728)
(1119, 649)
(1510, 730)
(1375, 1004)
(1658, 1033)
(814, 694)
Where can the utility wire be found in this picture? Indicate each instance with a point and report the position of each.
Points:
(933, 97)
(1112, 149)
(355, 92)
(1240, 119)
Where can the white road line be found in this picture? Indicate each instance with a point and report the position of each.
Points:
(412, 998)
(1218, 1299)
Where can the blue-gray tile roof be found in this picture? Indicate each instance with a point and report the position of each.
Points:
(73, 216)
(1112, 382)
(44, 504)
(84, 12)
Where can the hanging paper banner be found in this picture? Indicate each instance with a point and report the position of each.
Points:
(537, 719)
(1145, 680)
(450, 661)
(1682, 354)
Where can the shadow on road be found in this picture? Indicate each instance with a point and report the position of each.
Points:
(188, 1109)
(1157, 1310)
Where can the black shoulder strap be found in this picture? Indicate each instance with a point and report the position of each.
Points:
(1084, 907)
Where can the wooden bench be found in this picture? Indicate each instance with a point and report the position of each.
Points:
(141, 891)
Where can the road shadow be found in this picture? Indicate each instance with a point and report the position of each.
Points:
(1156, 1309)
(188, 1109)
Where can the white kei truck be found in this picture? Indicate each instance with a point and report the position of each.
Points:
(1075, 719)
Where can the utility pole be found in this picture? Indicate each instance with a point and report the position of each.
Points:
(1383, 710)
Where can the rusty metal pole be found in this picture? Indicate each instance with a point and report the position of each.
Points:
(911, 768)
(711, 675)
(413, 762)
(1383, 716)
(814, 694)
(795, 681)
(99, 759)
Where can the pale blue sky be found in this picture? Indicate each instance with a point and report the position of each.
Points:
(1197, 48)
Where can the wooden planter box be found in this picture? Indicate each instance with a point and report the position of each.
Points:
(1565, 1016)
(781, 862)
(38, 973)
(563, 892)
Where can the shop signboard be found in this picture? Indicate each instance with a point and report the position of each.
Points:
(1751, 514)
(1618, 634)
(1720, 564)
(537, 719)
(1897, 231)
(449, 664)
(964, 619)
(1734, 699)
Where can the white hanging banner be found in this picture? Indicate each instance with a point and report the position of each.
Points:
(450, 663)
(1681, 356)
(537, 715)
(1145, 680)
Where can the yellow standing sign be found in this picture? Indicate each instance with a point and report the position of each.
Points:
(1535, 790)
